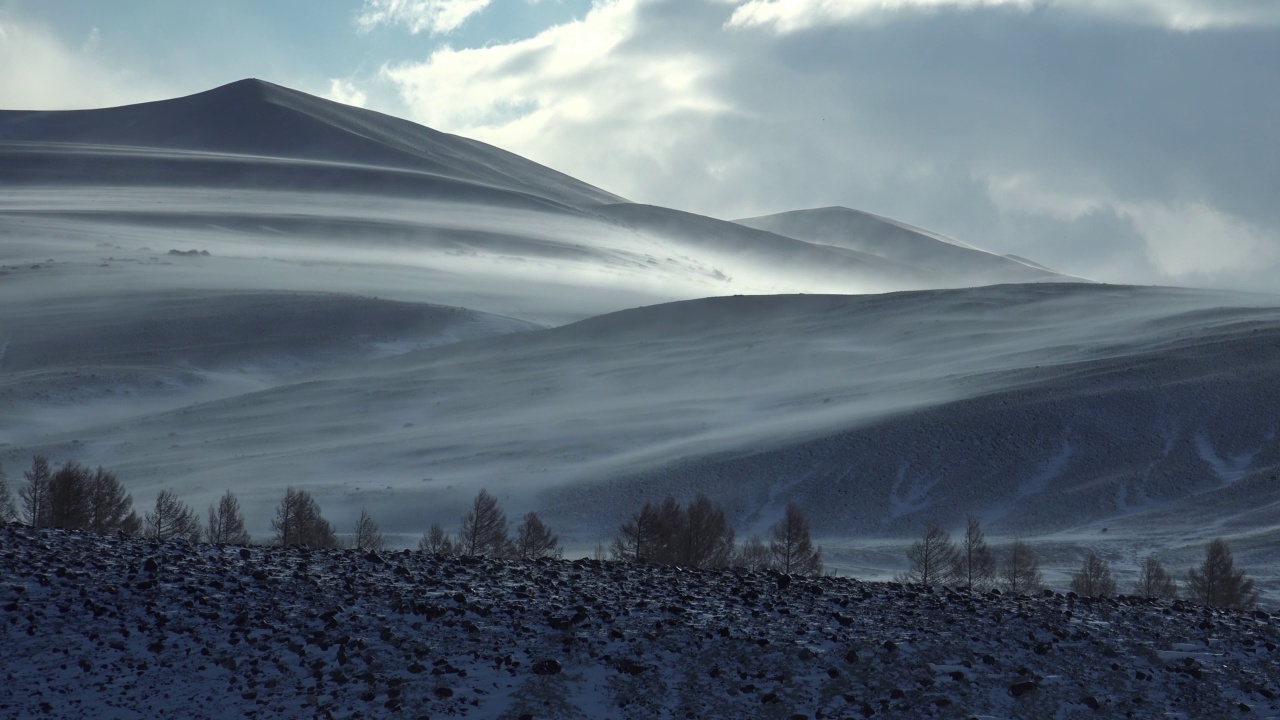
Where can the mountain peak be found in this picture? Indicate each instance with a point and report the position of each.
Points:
(249, 88)
(254, 117)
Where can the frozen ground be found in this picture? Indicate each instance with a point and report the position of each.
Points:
(112, 627)
(250, 288)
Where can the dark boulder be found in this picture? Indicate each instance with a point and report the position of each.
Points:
(547, 667)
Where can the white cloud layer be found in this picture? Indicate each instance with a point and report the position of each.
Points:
(1200, 243)
(43, 73)
(1189, 242)
(1183, 15)
(793, 15)
(435, 17)
(345, 92)
(1079, 161)
(576, 75)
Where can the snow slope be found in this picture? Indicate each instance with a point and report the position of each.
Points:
(78, 361)
(877, 413)
(113, 627)
(262, 120)
(932, 255)
(253, 171)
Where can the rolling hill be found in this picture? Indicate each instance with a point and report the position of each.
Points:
(252, 288)
(879, 413)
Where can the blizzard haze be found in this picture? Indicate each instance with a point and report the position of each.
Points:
(252, 288)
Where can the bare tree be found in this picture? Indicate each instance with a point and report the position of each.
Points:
(226, 523)
(1021, 572)
(436, 542)
(641, 538)
(1094, 578)
(1217, 582)
(792, 547)
(706, 539)
(977, 564)
(484, 528)
(110, 507)
(601, 552)
(368, 537)
(671, 534)
(8, 511)
(69, 497)
(35, 494)
(172, 518)
(298, 522)
(754, 555)
(535, 540)
(668, 529)
(75, 498)
(1154, 582)
(934, 559)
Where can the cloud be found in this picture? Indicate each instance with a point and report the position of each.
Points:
(49, 75)
(785, 16)
(435, 17)
(583, 74)
(793, 15)
(1200, 243)
(345, 92)
(1081, 143)
(1149, 241)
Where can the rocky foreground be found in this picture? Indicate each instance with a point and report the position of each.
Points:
(110, 627)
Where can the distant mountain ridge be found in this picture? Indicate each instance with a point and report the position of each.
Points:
(256, 134)
(930, 253)
(253, 117)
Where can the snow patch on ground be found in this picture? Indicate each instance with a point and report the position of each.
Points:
(1231, 468)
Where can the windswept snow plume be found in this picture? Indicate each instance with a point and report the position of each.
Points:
(252, 288)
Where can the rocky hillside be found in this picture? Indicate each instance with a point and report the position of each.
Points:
(95, 626)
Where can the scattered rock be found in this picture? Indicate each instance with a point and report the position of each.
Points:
(547, 667)
(1019, 689)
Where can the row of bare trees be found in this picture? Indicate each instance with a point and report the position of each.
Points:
(699, 535)
(73, 497)
(1217, 582)
(485, 532)
(695, 535)
(935, 559)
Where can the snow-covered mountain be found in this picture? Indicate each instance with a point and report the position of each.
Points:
(252, 288)
(227, 135)
(112, 627)
(930, 254)
(253, 170)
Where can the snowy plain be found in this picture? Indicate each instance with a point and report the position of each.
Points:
(395, 318)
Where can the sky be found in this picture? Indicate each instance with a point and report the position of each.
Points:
(1120, 140)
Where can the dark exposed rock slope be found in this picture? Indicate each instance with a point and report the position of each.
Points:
(114, 627)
